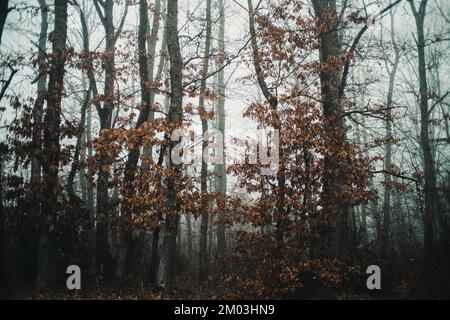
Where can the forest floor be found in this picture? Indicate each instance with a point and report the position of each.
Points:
(133, 293)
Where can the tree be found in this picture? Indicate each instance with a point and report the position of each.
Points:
(174, 120)
(431, 199)
(220, 180)
(330, 79)
(105, 12)
(51, 147)
(385, 236)
(203, 253)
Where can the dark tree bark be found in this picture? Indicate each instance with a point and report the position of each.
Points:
(174, 119)
(37, 131)
(330, 49)
(51, 148)
(130, 243)
(431, 199)
(38, 105)
(385, 230)
(4, 10)
(92, 86)
(105, 11)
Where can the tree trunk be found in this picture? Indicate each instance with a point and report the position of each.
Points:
(41, 86)
(47, 243)
(330, 79)
(36, 164)
(105, 260)
(151, 45)
(219, 169)
(132, 249)
(384, 241)
(203, 255)
(431, 198)
(4, 10)
(174, 119)
(88, 137)
(78, 147)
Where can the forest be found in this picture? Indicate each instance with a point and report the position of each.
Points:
(224, 149)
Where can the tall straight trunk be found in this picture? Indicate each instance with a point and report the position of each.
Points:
(103, 248)
(105, 260)
(219, 169)
(131, 247)
(89, 153)
(384, 241)
(188, 225)
(363, 206)
(147, 152)
(4, 10)
(174, 119)
(330, 79)
(82, 171)
(87, 148)
(145, 79)
(431, 198)
(41, 86)
(155, 259)
(36, 165)
(52, 120)
(203, 255)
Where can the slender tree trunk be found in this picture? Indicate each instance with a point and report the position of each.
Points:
(384, 241)
(82, 171)
(155, 259)
(147, 153)
(203, 256)
(78, 147)
(87, 138)
(151, 45)
(47, 244)
(220, 175)
(174, 119)
(132, 250)
(36, 165)
(431, 198)
(37, 110)
(105, 261)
